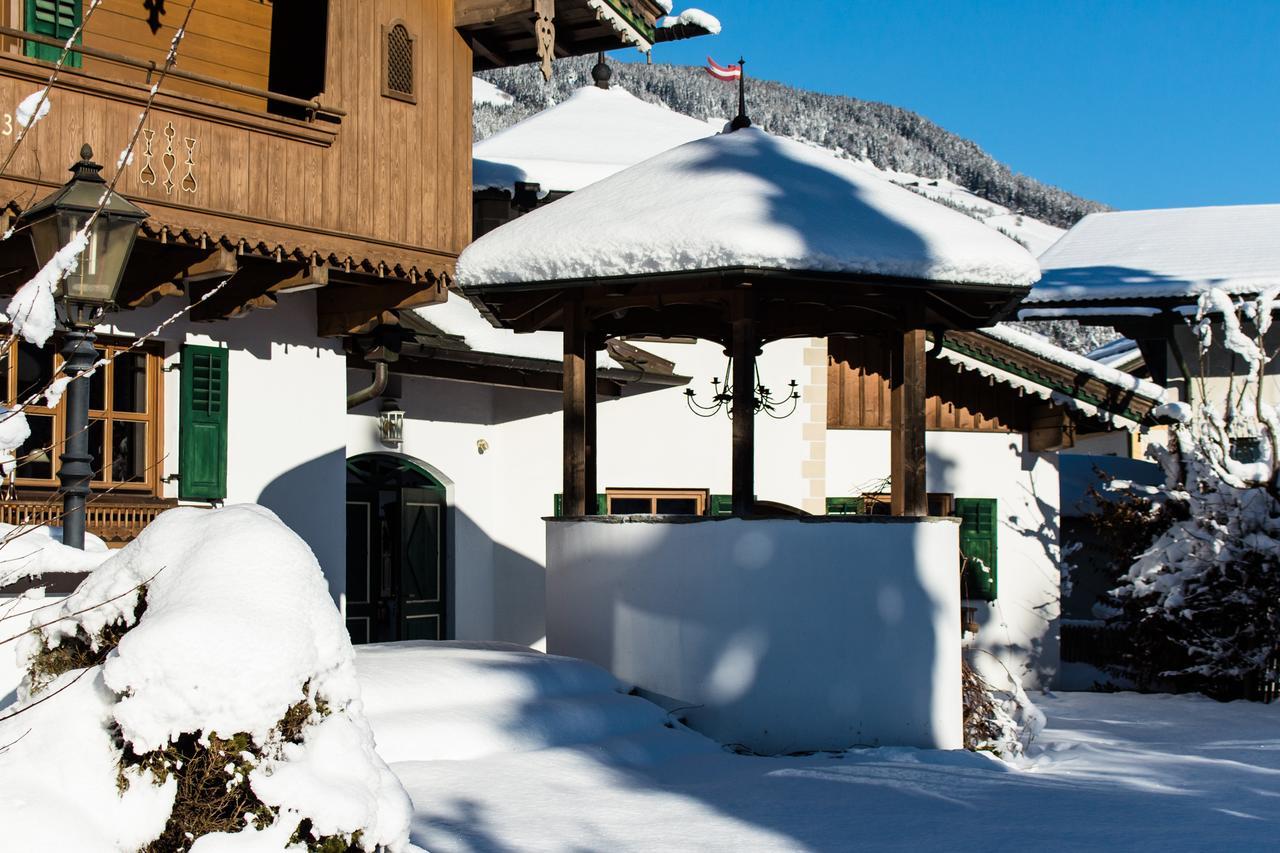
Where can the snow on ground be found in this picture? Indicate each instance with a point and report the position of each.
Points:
(504, 749)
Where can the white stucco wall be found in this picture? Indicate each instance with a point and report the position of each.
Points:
(781, 634)
(1020, 626)
(286, 415)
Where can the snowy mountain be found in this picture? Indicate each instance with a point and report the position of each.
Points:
(891, 138)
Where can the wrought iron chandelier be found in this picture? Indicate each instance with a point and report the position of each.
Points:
(762, 397)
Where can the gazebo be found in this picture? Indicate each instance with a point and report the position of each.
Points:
(745, 238)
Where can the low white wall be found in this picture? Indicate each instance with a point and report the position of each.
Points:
(782, 635)
(1020, 628)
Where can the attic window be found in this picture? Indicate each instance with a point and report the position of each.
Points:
(398, 63)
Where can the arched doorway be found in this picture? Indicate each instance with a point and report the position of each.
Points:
(396, 574)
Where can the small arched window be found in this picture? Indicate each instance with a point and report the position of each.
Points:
(398, 63)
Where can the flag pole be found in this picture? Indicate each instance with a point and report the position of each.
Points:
(741, 120)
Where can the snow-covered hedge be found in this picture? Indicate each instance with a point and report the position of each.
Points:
(196, 692)
(1200, 606)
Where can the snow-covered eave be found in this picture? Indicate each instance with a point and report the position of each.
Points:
(734, 275)
(620, 17)
(1104, 294)
(973, 365)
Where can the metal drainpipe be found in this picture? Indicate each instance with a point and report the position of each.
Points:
(380, 375)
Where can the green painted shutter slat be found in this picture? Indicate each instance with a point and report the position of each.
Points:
(844, 506)
(54, 18)
(602, 505)
(721, 505)
(202, 424)
(978, 533)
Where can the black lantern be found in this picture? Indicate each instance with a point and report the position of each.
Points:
(82, 293)
(54, 221)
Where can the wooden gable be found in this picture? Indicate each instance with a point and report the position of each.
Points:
(858, 377)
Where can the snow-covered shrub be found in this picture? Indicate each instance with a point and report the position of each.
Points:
(1200, 606)
(199, 684)
(999, 721)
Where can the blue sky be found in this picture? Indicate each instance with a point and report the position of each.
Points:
(1165, 103)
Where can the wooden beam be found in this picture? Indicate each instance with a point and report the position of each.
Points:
(907, 431)
(221, 263)
(575, 415)
(744, 345)
(353, 309)
(1051, 429)
(589, 479)
(474, 13)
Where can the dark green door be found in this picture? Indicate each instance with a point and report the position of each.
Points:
(421, 601)
(396, 570)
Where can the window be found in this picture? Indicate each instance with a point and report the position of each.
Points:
(656, 501)
(56, 19)
(124, 416)
(299, 51)
(398, 63)
(940, 504)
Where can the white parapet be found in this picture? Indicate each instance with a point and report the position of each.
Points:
(781, 635)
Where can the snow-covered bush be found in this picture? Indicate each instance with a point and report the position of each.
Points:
(1200, 607)
(196, 692)
(1002, 721)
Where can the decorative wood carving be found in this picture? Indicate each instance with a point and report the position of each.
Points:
(544, 29)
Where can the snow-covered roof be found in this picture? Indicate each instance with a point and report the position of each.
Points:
(1161, 254)
(745, 199)
(1025, 369)
(591, 135)
(1122, 354)
(1081, 364)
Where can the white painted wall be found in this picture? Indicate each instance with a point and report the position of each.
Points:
(781, 634)
(286, 415)
(1020, 626)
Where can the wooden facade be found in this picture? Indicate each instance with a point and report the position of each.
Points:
(858, 382)
(363, 195)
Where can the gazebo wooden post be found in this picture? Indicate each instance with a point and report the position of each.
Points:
(579, 377)
(907, 428)
(743, 346)
(589, 362)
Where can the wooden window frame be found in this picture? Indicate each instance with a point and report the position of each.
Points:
(387, 91)
(701, 496)
(153, 417)
(947, 499)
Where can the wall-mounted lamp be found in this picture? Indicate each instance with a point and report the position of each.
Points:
(391, 423)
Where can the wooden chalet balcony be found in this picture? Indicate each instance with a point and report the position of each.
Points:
(116, 520)
(329, 184)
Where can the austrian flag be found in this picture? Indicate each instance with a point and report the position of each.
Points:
(733, 72)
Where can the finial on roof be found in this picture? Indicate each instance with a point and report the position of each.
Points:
(601, 73)
(741, 120)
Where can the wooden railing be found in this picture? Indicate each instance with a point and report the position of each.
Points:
(117, 523)
(313, 107)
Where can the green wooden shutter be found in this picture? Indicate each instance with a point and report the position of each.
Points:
(721, 505)
(978, 527)
(203, 424)
(844, 506)
(602, 505)
(54, 18)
